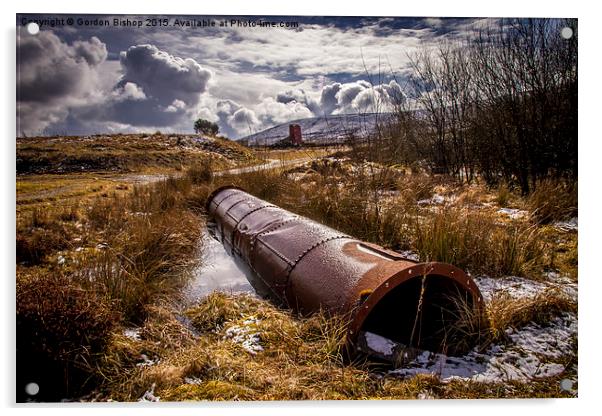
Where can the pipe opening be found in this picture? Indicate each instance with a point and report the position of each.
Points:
(433, 313)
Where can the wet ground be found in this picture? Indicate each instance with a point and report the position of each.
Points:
(218, 272)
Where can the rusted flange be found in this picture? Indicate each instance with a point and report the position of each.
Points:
(402, 275)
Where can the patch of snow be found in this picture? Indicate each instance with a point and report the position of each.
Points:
(513, 213)
(565, 283)
(60, 260)
(149, 395)
(193, 380)
(296, 176)
(202, 139)
(425, 395)
(379, 344)
(520, 287)
(132, 333)
(550, 370)
(410, 255)
(570, 225)
(553, 341)
(101, 246)
(434, 200)
(246, 335)
(516, 287)
(146, 362)
(525, 358)
(140, 214)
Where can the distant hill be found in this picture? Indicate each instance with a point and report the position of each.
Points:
(321, 130)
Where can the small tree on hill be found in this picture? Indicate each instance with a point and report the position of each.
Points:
(205, 127)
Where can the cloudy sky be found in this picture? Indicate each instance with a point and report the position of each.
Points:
(77, 79)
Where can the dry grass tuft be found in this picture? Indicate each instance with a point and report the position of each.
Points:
(504, 195)
(218, 308)
(553, 201)
(505, 312)
(201, 173)
(476, 241)
(469, 328)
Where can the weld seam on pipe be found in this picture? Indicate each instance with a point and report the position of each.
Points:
(272, 228)
(235, 229)
(307, 251)
(217, 205)
(232, 206)
(277, 253)
(316, 245)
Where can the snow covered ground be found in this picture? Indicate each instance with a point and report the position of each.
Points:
(532, 352)
(519, 287)
(246, 334)
(513, 213)
(149, 395)
(570, 225)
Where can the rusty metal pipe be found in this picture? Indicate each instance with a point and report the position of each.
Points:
(306, 266)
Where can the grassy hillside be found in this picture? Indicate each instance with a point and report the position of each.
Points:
(125, 153)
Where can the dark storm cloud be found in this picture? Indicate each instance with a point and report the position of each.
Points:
(52, 76)
(162, 76)
(93, 51)
(156, 89)
(50, 69)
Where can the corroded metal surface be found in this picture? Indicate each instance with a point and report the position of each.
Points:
(306, 266)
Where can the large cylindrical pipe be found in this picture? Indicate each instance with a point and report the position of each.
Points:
(307, 266)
